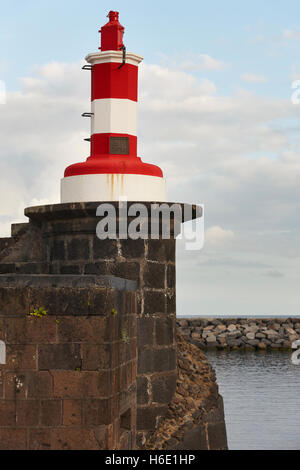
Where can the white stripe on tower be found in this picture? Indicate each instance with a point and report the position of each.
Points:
(115, 116)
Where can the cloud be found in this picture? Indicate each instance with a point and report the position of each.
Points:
(218, 236)
(289, 34)
(275, 274)
(41, 131)
(202, 62)
(200, 138)
(2, 92)
(295, 72)
(163, 88)
(5, 229)
(193, 62)
(252, 78)
(232, 262)
(203, 141)
(284, 37)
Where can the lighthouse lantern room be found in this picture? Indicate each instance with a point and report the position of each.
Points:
(113, 170)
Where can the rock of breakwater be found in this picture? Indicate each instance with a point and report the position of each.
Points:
(195, 419)
(241, 333)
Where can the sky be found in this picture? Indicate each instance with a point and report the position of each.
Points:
(217, 112)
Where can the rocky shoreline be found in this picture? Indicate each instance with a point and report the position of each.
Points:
(241, 333)
(195, 419)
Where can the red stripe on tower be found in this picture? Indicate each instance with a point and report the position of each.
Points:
(114, 96)
(109, 81)
(101, 143)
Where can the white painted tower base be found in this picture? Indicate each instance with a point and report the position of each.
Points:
(94, 187)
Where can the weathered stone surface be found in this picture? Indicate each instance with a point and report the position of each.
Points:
(271, 332)
(67, 375)
(241, 333)
(147, 416)
(253, 342)
(211, 339)
(143, 390)
(104, 249)
(159, 360)
(231, 327)
(195, 406)
(87, 332)
(163, 388)
(154, 275)
(154, 302)
(217, 436)
(194, 439)
(291, 331)
(234, 334)
(233, 343)
(164, 331)
(221, 328)
(260, 335)
(252, 328)
(133, 249)
(171, 276)
(208, 328)
(250, 336)
(78, 249)
(196, 335)
(222, 341)
(162, 250)
(59, 356)
(72, 412)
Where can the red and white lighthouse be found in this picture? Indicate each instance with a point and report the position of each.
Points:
(113, 170)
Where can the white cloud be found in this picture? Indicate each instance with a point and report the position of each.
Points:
(5, 229)
(283, 37)
(290, 34)
(201, 139)
(295, 72)
(2, 92)
(193, 62)
(41, 131)
(203, 62)
(252, 78)
(215, 236)
(275, 274)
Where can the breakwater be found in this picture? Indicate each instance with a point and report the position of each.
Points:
(195, 418)
(241, 333)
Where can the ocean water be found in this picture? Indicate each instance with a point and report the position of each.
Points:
(261, 392)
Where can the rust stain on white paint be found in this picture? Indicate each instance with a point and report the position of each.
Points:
(112, 184)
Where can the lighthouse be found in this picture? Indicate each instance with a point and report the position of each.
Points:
(88, 325)
(113, 171)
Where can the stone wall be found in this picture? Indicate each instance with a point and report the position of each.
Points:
(69, 381)
(61, 240)
(195, 419)
(99, 370)
(241, 333)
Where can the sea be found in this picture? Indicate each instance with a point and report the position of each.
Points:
(261, 392)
